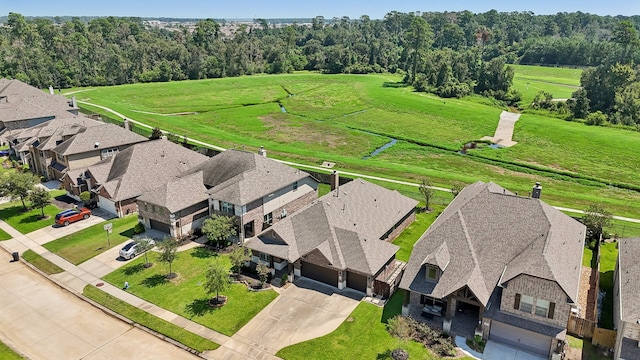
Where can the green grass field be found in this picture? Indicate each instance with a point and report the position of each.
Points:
(342, 118)
(7, 354)
(25, 222)
(186, 296)
(4, 235)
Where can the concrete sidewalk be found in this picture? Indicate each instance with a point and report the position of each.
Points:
(75, 278)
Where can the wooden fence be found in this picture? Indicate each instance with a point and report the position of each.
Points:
(580, 327)
(604, 338)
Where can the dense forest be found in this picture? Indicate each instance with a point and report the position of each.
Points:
(452, 54)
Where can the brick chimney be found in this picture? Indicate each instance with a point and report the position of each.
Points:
(537, 191)
(262, 151)
(335, 180)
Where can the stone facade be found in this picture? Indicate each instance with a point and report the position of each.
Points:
(538, 289)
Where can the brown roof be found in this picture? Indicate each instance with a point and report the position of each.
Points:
(491, 237)
(51, 133)
(143, 167)
(239, 177)
(345, 227)
(178, 193)
(19, 101)
(629, 279)
(100, 137)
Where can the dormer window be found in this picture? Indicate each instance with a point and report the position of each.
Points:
(432, 273)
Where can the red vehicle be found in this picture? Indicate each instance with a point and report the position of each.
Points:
(68, 216)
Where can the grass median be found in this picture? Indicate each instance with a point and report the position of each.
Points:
(4, 235)
(41, 263)
(147, 320)
(6, 353)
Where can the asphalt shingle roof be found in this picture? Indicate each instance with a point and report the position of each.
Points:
(178, 193)
(345, 226)
(19, 101)
(493, 235)
(629, 264)
(100, 137)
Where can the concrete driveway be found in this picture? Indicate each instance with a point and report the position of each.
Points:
(305, 310)
(498, 351)
(51, 233)
(46, 322)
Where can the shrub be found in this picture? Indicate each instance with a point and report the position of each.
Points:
(284, 278)
(139, 228)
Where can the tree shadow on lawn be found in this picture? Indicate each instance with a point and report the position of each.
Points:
(203, 253)
(385, 356)
(131, 270)
(155, 280)
(30, 219)
(128, 233)
(199, 307)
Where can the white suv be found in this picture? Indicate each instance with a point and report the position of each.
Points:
(130, 250)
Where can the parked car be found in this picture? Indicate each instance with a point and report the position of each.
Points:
(130, 250)
(67, 217)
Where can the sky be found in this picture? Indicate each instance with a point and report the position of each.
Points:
(248, 9)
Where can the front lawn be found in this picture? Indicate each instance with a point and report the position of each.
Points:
(362, 336)
(4, 235)
(85, 244)
(41, 263)
(152, 322)
(412, 233)
(7, 354)
(25, 222)
(608, 256)
(185, 294)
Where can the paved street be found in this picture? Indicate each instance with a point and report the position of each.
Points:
(46, 322)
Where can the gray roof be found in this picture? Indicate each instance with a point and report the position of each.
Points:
(51, 133)
(178, 193)
(629, 265)
(143, 167)
(240, 177)
(345, 227)
(105, 136)
(493, 236)
(20, 101)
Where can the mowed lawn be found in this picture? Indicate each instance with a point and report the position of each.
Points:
(85, 244)
(6, 353)
(342, 118)
(4, 235)
(608, 258)
(412, 233)
(185, 294)
(27, 221)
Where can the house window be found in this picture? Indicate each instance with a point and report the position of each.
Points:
(295, 185)
(268, 218)
(227, 208)
(59, 157)
(108, 153)
(544, 308)
(264, 257)
(526, 303)
(432, 273)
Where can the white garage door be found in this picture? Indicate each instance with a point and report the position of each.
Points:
(520, 338)
(107, 205)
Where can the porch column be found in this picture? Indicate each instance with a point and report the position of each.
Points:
(451, 308)
(341, 279)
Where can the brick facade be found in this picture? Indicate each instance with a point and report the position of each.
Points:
(400, 226)
(537, 288)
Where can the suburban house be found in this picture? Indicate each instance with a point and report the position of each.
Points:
(502, 266)
(626, 300)
(86, 148)
(23, 106)
(118, 180)
(33, 145)
(341, 239)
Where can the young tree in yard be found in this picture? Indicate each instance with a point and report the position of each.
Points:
(239, 255)
(263, 272)
(399, 327)
(216, 280)
(18, 185)
(156, 133)
(39, 198)
(144, 244)
(219, 227)
(427, 193)
(168, 253)
(596, 218)
(456, 188)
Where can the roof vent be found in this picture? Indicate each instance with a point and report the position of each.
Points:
(96, 144)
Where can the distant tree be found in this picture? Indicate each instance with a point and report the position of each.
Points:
(216, 280)
(174, 138)
(168, 253)
(143, 245)
(218, 228)
(427, 192)
(597, 118)
(156, 133)
(456, 188)
(39, 198)
(580, 106)
(238, 256)
(18, 185)
(596, 218)
(263, 272)
(625, 35)
(419, 38)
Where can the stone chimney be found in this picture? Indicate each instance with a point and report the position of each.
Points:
(537, 191)
(126, 125)
(335, 180)
(262, 151)
(50, 90)
(74, 104)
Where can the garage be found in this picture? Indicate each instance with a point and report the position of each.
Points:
(157, 225)
(357, 281)
(107, 205)
(520, 338)
(319, 273)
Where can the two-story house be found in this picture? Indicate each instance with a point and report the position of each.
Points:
(626, 300)
(254, 189)
(509, 264)
(342, 239)
(118, 180)
(90, 146)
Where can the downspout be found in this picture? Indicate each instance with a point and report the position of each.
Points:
(120, 208)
